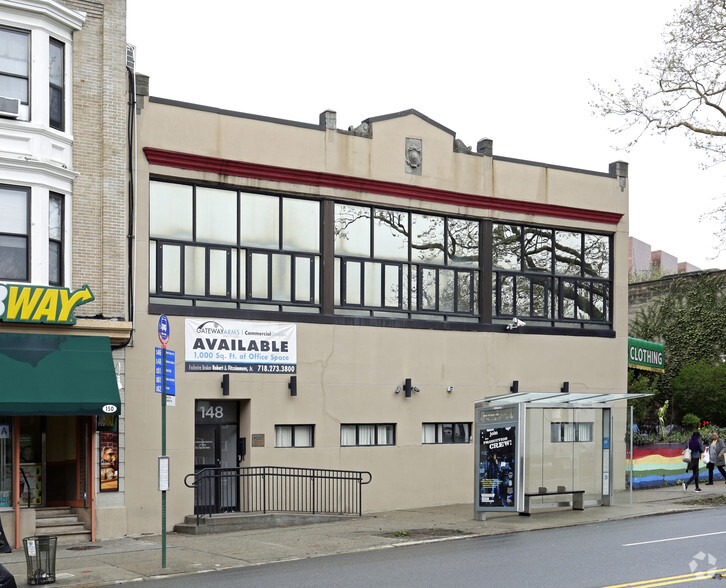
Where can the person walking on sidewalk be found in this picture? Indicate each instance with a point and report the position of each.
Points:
(696, 447)
(715, 457)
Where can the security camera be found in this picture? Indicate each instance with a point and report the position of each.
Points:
(515, 324)
(415, 389)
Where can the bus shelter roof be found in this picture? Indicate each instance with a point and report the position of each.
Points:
(583, 399)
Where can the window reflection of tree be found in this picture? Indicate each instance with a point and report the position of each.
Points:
(530, 250)
(432, 242)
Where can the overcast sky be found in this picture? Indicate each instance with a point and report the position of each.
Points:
(518, 73)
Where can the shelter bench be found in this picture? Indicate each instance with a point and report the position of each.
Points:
(578, 498)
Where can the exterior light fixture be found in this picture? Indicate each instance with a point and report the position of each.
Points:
(407, 388)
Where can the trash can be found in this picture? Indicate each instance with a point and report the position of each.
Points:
(40, 557)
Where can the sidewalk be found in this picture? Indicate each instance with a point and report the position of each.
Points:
(130, 559)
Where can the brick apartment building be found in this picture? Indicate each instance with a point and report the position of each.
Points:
(64, 262)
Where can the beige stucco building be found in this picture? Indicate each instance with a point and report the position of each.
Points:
(339, 299)
(383, 267)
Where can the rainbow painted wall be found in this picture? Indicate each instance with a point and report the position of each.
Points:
(660, 465)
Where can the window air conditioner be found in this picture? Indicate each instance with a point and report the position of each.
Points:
(9, 107)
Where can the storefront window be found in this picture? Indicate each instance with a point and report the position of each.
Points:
(31, 459)
(6, 463)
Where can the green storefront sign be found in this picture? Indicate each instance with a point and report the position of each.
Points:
(645, 355)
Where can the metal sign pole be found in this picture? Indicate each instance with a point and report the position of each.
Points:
(163, 452)
(163, 339)
(631, 454)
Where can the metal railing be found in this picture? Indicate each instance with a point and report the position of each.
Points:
(266, 489)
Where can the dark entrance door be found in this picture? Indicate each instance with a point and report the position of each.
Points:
(215, 457)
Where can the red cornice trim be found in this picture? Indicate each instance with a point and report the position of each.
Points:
(325, 180)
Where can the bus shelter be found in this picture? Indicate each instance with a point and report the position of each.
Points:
(533, 447)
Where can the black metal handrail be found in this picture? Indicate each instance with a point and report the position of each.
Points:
(264, 489)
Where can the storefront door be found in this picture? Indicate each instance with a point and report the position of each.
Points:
(215, 457)
(53, 461)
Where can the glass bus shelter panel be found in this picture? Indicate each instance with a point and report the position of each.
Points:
(535, 438)
(563, 449)
(587, 452)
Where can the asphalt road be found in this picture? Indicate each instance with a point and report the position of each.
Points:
(658, 550)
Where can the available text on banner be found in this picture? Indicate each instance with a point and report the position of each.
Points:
(240, 346)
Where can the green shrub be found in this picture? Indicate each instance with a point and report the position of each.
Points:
(690, 422)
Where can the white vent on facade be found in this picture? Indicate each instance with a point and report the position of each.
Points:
(9, 107)
(131, 57)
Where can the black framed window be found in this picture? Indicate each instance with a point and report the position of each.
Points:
(216, 247)
(56, 75)
(437, 433)
(551, 276)
(294, 435)
(392, 263)
(15, 64)
(56, 212)
(14, 233)
(253, 251)
(571, 432)
(367, 435)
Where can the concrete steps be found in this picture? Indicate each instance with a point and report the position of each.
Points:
(62, 523)
(230, 522)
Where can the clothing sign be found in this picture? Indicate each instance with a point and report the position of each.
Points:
(239, 346)
(646, 355)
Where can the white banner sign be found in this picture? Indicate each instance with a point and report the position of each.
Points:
(238, 346)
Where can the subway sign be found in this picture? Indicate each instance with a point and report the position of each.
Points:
(645, 355)
(41, 304)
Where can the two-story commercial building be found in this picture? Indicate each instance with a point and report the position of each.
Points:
(341, 299)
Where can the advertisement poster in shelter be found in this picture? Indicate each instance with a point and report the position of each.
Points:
(497, 467)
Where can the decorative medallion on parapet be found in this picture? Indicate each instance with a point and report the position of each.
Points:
(41, 304)
(414, 156)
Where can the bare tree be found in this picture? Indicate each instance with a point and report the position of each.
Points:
(682, 91)
(683, 88)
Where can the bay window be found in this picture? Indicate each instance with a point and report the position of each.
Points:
(56, 77)
(15, 64)
(14, 233)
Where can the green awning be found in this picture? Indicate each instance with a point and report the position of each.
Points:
(57, 375)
